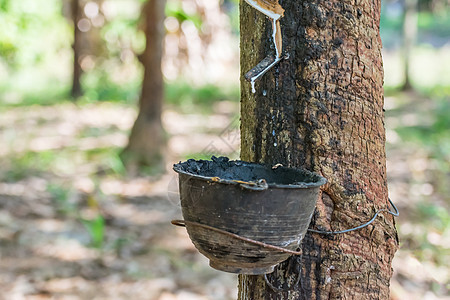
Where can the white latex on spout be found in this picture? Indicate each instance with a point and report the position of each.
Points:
(254, 78)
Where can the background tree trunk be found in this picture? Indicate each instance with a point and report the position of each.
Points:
(77, 48)
(409, 38)
(322, 109)
(146, 141)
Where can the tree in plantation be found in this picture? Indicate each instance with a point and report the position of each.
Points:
(410, 19)
(87, 19)
(322, 109)
(77, 49)
(147, 136)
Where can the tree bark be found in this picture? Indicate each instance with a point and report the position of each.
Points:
(77, 48)
(146, 142)
(322, 109)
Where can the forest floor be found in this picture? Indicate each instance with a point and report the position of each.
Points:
(74, 225)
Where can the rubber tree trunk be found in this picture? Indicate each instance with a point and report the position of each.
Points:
(77, 48)
(409, 38)
(322, 109)
(146, 142)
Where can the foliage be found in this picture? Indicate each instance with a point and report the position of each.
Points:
(26, 164)
(96, 229)
(21, 27)
(175, 9)
(187, 96)
(433, 132)
(432, 25)
(61, 198)
(98, 86)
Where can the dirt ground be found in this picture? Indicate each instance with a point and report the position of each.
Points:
(60, 174)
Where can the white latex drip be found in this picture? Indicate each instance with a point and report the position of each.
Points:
(253, 85)
(271, 15)
(274, 35)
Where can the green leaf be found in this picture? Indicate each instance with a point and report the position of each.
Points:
(96, 230)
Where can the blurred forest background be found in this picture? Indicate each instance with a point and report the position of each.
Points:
(76, 222)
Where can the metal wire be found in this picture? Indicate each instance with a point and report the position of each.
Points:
(183, 223)
(394, 213)
(264, 245)
(273, 247)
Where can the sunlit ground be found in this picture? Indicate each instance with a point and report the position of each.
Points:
(61, 171)
(418, 179)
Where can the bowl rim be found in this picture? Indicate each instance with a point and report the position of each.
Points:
(254, 185)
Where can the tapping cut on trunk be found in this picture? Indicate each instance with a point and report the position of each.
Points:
(270, 8)
(273, 10)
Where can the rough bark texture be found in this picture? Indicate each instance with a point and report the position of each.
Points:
(322, 109)
(146, 143)
(77, 47)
